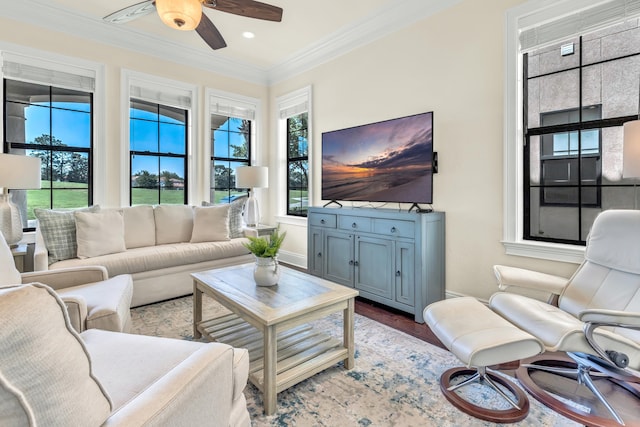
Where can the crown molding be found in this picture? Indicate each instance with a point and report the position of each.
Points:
(384, 21)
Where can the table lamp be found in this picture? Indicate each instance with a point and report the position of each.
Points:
(252, 177)
(17, 172)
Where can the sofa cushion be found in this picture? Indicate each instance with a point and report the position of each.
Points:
(139, 226)
(236, 223)
(9, 274)
(45, 370)
(174, 223)
(210, 224)
(161, 256)
(99, 233)
(58, 230)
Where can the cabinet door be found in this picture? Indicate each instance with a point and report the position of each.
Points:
(404, 273)
(374, 264)
(316, 251)
(338, 257)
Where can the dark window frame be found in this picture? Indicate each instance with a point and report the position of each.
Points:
(228, 159)
(8, 147)
(302, 210)
(160, 154)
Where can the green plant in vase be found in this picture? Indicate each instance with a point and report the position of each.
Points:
(266, 271)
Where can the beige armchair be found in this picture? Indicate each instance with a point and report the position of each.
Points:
(93, 299)
(52, 376)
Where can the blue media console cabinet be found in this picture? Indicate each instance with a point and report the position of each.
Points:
(394, 258)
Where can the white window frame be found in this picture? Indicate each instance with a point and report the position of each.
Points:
(166, 92)
(286, 106)
(528, 15)
(66, 64)
(225, 103)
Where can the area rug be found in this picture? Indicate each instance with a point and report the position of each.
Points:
(394, 382)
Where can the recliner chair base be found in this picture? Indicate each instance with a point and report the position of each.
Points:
(517, 411)
(559, 392)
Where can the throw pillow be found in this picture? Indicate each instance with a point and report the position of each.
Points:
(139, 226)
(174, 223)
(210, 224)
(99, 233)
(236, 223)
(58, 230)
(45, 370)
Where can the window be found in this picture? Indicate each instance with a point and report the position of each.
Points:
(49, 113)
(294, 133)
(578, 83)
(297, 165)
(233, 132)
(157, 141)
(158, 150)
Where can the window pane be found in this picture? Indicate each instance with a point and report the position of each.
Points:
(612, 42)
(554, 93)
(549, 59)
(144, 171)
(77, 135)
(144, 136)
(71, 99)
(172, 115)
(26, 93)
(172, 138)
(36, 128)
(172, 180)
(298, 202)
(69, 197)
(143, 110)
(620, 87)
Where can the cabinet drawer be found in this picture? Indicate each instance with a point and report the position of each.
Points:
(355, 223)
(393, 227)
(323, 220)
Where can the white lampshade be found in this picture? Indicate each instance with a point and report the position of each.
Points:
(182, 15)
(19, 172)
(252, 177)
(631, 151)
(16, 172)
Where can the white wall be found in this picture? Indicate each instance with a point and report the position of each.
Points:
(452, 64)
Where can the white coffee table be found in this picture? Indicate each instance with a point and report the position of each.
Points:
(272, 323)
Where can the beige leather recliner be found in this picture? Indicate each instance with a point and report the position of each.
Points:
(596, 320)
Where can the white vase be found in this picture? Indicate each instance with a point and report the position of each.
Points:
(266, 271)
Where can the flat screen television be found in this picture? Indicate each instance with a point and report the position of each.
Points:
(388, 161)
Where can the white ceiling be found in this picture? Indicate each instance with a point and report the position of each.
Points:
(311, 31)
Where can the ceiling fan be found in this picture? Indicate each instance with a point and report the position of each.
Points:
(188, 15)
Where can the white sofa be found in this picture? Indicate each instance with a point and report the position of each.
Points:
(159, 246)
(52, 376)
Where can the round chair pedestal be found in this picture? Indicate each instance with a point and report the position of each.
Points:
(545, 387)
(510, 415)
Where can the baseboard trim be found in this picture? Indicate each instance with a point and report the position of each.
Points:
(292, 258)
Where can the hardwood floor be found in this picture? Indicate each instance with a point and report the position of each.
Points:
(396, 319)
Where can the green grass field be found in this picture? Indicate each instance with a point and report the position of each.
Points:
(68, 195)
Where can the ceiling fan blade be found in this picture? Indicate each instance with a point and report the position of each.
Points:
(210, 33)
(248, 8)
(132, 12)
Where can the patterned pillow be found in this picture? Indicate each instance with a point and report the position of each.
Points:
(236, 223)
(58, 230)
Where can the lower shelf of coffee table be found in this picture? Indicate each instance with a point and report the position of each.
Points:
(302, 351)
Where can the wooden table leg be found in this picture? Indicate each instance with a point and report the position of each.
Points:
(197, 310)
(270, 367)
(348, 334)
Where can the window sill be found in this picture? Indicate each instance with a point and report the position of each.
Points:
(292, 220)
(544, 250)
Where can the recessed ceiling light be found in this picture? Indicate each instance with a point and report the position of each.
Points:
(248, 35)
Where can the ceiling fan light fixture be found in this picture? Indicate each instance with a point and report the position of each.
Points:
(182, 15)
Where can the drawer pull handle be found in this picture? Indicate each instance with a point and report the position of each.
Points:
(354, 225)
(393, 229)
(398, 274)
(322, 221)
(319, 254)
(351, 262)
(356, 263)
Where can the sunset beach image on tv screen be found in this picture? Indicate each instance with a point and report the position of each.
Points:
(389, 161)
